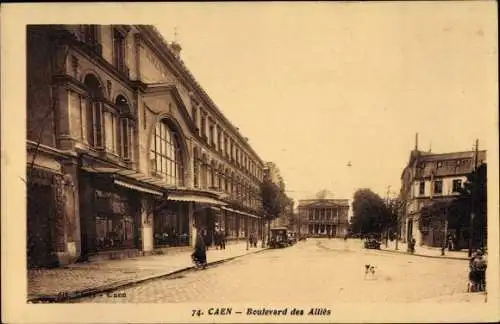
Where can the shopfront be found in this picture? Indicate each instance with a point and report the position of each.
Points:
(171, 225)
(110, 216)
(116, 220)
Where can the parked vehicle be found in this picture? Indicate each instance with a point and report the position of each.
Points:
(279, 238)
(292, 238)
(372, 243)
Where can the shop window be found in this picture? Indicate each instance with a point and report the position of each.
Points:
(114, 231)
(115, 225)
(171, 227)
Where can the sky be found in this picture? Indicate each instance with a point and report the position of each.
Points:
(316, 85)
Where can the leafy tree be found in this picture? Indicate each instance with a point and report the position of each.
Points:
(474, 195)
(274, 200)
(434, 215)
(370, 213)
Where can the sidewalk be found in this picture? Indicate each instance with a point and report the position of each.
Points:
(82, 279)
(424, 251)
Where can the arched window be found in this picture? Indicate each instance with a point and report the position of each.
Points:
(166, 154)
(196, 169)
(126, 134)
(221, 177)
(94, 111)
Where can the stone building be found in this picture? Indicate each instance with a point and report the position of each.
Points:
(428, 178)
(126, 152)
(323, 217)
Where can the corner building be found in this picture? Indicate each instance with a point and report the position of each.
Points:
(432, 177)
(126, 153)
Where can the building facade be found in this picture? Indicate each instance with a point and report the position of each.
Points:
(323, 217)
(125, 150)
(428, 178)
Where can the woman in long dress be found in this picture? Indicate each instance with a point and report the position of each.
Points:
(199, 254)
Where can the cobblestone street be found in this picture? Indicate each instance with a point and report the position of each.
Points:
(315, 270)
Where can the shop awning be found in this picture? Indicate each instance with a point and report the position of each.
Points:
(138, 188)
(195, 198)
(130, 175)
(239, 212)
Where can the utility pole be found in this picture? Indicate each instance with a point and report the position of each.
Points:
(399, 212)
(473, 191)
(388, 208)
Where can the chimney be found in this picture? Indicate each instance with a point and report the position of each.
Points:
(176, 48)
(416, 142)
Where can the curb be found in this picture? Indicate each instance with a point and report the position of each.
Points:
(72, 295)
(426, 256)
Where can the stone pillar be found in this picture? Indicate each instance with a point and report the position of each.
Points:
(146, 225)
(72, 211)
(192, 225)
(58, 234)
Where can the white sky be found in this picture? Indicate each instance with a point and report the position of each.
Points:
(316, 85)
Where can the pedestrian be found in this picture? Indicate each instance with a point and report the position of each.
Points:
(477, 271)
(223, 239)
(199, 255)
(217, 238)
(206, 238)
(411, 245)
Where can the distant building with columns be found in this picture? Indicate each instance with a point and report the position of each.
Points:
(323, 217)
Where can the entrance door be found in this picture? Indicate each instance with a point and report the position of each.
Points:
(40, 208)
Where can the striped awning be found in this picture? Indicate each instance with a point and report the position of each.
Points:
(239, 212)
(138, 188)
(195, 199)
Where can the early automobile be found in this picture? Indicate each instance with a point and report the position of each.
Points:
(279, 238)
(372, 243)
(292, 238)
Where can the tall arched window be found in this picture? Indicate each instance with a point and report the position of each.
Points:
(94, 111)
(196, 168)
(126, 127)
(166, 154)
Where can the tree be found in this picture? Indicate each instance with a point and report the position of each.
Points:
(434, 215)
(274, 200)
(474, 195)
(370, 213)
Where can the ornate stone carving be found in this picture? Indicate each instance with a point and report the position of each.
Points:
(59, 58)
(109, 86)
(74, 67)
(59, 215)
